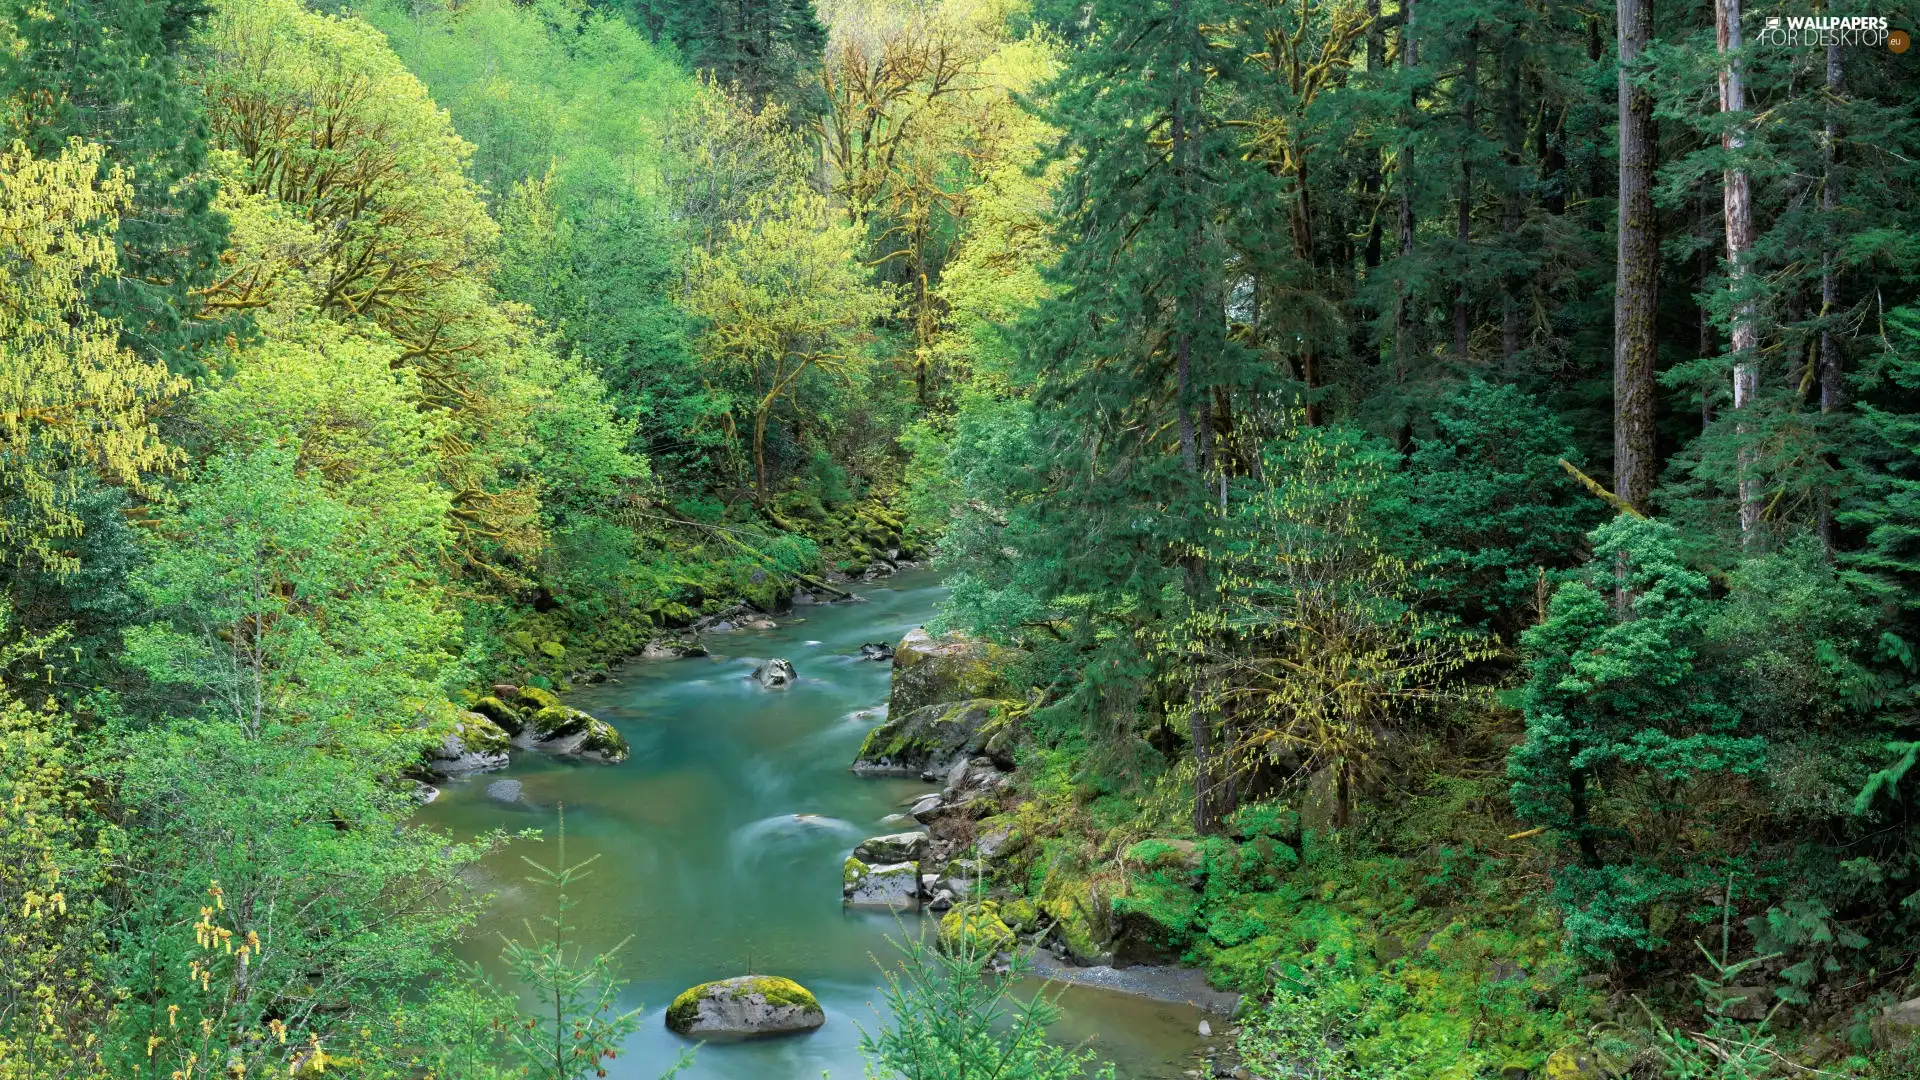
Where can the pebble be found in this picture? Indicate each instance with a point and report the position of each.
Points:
(1206, 1029)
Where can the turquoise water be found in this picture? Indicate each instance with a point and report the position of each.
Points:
(705, 868)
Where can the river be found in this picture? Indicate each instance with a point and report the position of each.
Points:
(719, 846)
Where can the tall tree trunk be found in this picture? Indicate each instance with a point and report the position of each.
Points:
(1403, 329)
(1514, 137)
(1832, 388)
(1704, 231)
(1463, 228)
(1376, 61)
(1739, 212)
(1636, 272)
(1205, 783)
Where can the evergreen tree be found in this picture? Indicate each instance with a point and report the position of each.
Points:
(1135, 375)
(767, 49)
(111, 72)
(1494, 508)
(1621, 713)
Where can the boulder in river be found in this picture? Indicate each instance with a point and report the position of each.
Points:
(888, 885)
(876, 650)
(929, 670)
(747, 1007)
(568, 732)
(775, 673)
(931, 739)
(506, 791)
(501, 713)
(893, 848)
(476, 744)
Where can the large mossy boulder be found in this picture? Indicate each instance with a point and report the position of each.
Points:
(748, 1007)
(604, 744)
(568, 732)
(1897, 1027)
(1154, 921)
(558, 722)
(475, 744)
(975, 927)
(928, 740)
(532, 699)
(509, 718)
(929, 670)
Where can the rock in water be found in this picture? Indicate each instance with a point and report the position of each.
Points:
(748, 1007)
(876, 650)
(774, 673)
(929, 670)
(893, 885)
(504, 791)
(893, 848)
(931, 739)
(475, 744)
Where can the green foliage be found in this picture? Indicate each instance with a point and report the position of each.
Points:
(113, 72)
(290, 605)
(1492, 506)
(573, 1022)
(1617, 700)
(769, 49)
(952, 1019)
(56, 858)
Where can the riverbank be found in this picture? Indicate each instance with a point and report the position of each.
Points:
(721, 839)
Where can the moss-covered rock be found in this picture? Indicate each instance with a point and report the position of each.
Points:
(893, 848)
(553, 650)
(1079, 931)
(1580, 1063)
(1021, 914)
(558, 722)
(929, 670)
(1154, 921)
(1158, 854)
(532, 699)
(747, 1007)
(926, 740)
(604, 744)
(880, 885)
(510, 719)
(475, 744)
(976, 925)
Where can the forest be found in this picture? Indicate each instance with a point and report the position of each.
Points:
(1434, 486)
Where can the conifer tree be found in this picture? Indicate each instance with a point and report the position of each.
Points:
(1135, 370)
(110, 71)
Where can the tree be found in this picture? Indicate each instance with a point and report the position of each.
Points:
(953, 1019)
(1133, 370)
(1623, 713)
(1315, 650)
(1636, 268)
(279, 602)
(1493, 507)
(55, 859)
(783, 299)
(113, 72)
(764, 48)
(73, 401)
(573, 1024)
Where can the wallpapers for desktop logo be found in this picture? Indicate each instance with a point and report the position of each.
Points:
(1823, 31)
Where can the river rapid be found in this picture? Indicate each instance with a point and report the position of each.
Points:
(719, 846)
